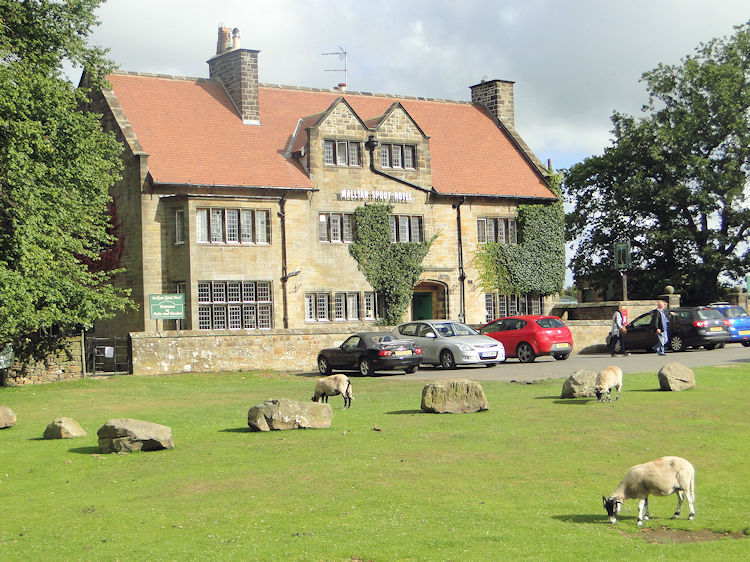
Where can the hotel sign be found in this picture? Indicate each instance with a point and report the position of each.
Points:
(167, 307)
(375, 196)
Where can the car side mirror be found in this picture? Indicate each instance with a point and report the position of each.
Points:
(430, 335)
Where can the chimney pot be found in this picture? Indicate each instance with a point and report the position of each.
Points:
(236, 38)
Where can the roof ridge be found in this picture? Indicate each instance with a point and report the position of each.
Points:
(297, 88)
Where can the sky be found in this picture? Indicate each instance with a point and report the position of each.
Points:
(574, 62)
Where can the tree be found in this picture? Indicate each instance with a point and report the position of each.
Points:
(674, 181)
(56, 168)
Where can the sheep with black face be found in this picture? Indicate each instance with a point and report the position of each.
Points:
(661, 477)
(332, 386)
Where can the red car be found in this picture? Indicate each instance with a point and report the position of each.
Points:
(528, 337)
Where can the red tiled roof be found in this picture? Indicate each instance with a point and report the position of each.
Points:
(193, 135)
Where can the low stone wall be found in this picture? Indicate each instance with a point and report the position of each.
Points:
(589, 336)
(66, 364)
(202, 352)
(282, 350)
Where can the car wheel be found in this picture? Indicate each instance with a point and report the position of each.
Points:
(447, 361)
(525, 353)
(410, 370)
(618, 347)
(323, 366)
(562, 356)
(676, 343)
(365, 367)
(746, 343)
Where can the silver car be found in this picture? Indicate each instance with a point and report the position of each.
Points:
(449, 343)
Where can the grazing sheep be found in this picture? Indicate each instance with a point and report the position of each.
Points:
(661, 477)
(331, 386)
(606, 380)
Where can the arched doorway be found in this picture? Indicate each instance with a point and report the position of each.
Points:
(429, 300)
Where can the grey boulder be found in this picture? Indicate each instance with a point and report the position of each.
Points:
(453, 396)
(7, 417)
(283, 413)
(675, 376)
(580, 385)
(124, 435)
(64, 428)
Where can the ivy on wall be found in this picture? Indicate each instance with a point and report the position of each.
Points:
(536, 264)
(391, 268)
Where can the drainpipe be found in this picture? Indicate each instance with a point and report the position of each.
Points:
(461, 273)
(284, 276)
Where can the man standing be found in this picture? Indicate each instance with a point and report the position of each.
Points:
(659, 325)
(618, 329)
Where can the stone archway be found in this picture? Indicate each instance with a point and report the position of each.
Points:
(429, 300)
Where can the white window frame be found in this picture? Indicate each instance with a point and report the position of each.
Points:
(344, 153)
(179, 226)
(407, 228)
(336, 227)
(217, 225)
(235, 305)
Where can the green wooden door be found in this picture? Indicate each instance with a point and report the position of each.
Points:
(421, 306)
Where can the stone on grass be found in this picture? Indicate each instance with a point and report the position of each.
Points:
(453, 396)
(580, 385)
(283, 413)
(124, 435)
(7, 417)
(675, 376)
(64, 428)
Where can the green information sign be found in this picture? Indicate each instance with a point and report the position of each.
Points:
(622, 254)
(167, 307)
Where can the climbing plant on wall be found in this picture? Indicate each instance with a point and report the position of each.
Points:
(535, 265)
(391, 268)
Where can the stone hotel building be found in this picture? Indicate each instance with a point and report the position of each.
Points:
(241, 196)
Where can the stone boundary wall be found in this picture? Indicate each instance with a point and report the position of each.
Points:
(66, 364)
(202, 352)
(282, 350)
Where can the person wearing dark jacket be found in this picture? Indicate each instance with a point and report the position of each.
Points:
(659, 325)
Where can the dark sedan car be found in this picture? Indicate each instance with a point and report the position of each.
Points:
(368, 352)
(689, 326)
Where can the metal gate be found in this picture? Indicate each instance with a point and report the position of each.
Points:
(109, 356)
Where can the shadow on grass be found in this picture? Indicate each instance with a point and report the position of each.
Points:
(583, 518)
(93, 450)
(405, 412)
(237, 430)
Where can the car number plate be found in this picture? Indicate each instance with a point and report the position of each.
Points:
(744, 332)
(715, 329)
(488, 354)
(403, 352)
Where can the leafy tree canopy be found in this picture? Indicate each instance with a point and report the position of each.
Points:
(56, 167)
(674, 181)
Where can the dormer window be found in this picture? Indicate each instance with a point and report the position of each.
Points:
(342, 153)
(402, 156)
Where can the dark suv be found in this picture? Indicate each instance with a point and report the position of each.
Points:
(689, 326)
(739, 321)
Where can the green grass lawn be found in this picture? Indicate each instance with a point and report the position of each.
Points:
(523, 480)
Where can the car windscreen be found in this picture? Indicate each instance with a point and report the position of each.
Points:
(550, 323)
(450, 329)
(709, 314)
(735, 312)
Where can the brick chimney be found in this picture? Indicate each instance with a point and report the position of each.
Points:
(237, 70)
(497, 97)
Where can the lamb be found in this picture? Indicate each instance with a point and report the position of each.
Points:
(332, 386)
(661, 477)
(610, 377)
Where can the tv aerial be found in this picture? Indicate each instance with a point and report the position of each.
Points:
(341, 53)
